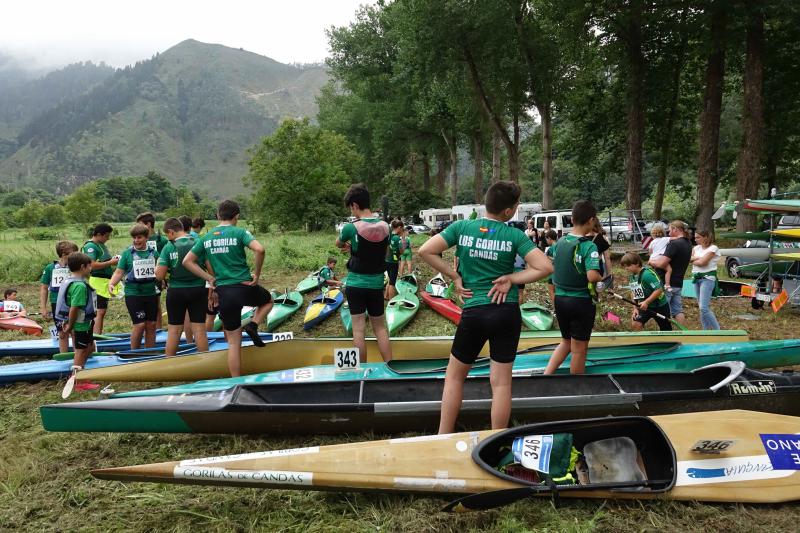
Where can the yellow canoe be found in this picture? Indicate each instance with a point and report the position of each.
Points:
(301, 352)
(789, 256)
(794, 233)
(718, 456)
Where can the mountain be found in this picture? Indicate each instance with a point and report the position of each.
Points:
(190, 113)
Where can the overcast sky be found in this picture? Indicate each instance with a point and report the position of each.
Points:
(59, 32)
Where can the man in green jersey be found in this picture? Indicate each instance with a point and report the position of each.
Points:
(366, 239)
(186, 295)
(137, 265)
(75, 306)
(53, 275)
(648, 292)
(576, 268)
(224, 249)
(486, 281)
(102, 270)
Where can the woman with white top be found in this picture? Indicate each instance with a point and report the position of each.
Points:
(705, 257)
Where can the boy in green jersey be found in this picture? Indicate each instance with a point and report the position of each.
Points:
(102, 270)
(393, 253)
(576, 268)
(328, 275)
(197, 226)
(76, 305)
(366, 239)
(485, 279)
(186, 295)
(137, 265)
(224, 249)
(53, 275)
(648, 292)
(550, 237)
(157, 242)
(407, 255)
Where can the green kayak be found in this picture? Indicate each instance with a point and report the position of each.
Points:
(402, 308)
(309, 283)
(645, 357)
(247, 316)
(285, 305)
(536, 317)
(778, 267)
(347, 320)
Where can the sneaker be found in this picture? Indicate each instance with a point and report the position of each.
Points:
(252, 331)
(84, 386)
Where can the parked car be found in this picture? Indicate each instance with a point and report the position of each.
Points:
(417, 228)
(789, 222)
(618, 228)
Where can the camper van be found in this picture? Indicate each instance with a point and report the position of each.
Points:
(561, 221)
(460, 212)
(527, 211)
(432, 217)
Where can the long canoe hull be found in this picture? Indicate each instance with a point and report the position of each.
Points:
(48, 347)
(301, 352)
(453, 464)
(393, 406)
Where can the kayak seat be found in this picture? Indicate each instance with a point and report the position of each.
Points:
(614, 460)
(398, 302)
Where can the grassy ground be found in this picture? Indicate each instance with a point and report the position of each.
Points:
(45, 482)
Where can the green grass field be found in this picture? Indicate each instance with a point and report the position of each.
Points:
(45, 483)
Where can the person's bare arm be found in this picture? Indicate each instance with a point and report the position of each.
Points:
(704, 259)
(43, 307)
(538, 266)
(594, 276)
(161, 272)
(661, 262)
(259, 253)
(115, 278)
(190, 264)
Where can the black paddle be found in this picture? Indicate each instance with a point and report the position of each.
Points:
(658, 315)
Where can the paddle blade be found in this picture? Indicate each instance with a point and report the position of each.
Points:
(487, 500)
(68, 386)
(719, 213)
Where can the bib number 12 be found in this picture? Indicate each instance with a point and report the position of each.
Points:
(346, 359)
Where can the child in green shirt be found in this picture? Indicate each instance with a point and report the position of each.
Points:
(406, 256)
(328, 275)
(102, 269)
(10, 307)
(76, 306)
(648, 292)
(53, 275)
(393, 253)
(486, 248)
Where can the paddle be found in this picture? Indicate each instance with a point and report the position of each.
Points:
(70, 384)
(658, 315)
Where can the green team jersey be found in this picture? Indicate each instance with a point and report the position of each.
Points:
(326, 273)
(157, 242)
(172, 257)
(486, 249)
(394, 250)
(646, 283)
(406, 255)
(224, 247)
(569, 275)
(356, 279)
(78, 296)
(52, 276)
(98, 252)
(126, 265)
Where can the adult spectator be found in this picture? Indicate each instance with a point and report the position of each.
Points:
(677, 255)
(543, 234)
(531, 233)
(705, 257)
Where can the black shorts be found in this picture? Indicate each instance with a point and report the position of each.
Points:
(498, 324)
(575, 317)
(84, 339)
(102, 302)
(391, 270)
(233, 297)
(58, 323)
(193, 300)
(142, 308)
(362, 301)
(663, 324)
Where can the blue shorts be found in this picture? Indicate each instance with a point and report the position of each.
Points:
(675, 300)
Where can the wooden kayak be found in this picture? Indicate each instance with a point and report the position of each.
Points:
(300, 352)
(284, 306)
(321, 307)
(21, 323)
(536, 317)
(394, 406)
(659, 457)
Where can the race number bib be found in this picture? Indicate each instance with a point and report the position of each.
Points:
(637, 290)
(152, 245)
(144, 268)
(346, 359)
(533, 452)
(11, 306)
(60, 274)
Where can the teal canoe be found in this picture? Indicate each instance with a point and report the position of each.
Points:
(284, 306)
(536, 317)
(645, 357)
(347, 319)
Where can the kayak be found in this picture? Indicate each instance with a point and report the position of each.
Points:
(727, 288)
(756, 254)
(347, 319)
(648, 357)
(300, 352)
(59, 367)
(402, 308)
(247, 317)
(771, 206)
(394, 406)
(21, 323)
(794, 256)
(321, 307)
(444, 306)
(536, 317)
(285, 305)
(622, 457)
(793, 233)
(310, 283)
(47, 347)
(778, 267)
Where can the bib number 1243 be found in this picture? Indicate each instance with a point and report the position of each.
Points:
(346, 359)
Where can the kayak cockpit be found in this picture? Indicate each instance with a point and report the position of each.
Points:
(602, 454)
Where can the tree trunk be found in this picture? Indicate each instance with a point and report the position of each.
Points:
(441, 173)
(477, 158)
(547, 157)
(450, 139)
(635, 138)
(771, 169)
(496, 156)
(513, 157)
(426, 171)
(412, 166)
(748, 168)
(708, 160)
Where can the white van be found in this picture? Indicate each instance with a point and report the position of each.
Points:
(460, 212)
(561, 221)
(432, 217)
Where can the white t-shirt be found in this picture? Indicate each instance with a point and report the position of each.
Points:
(658, 246)
(699, 251)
